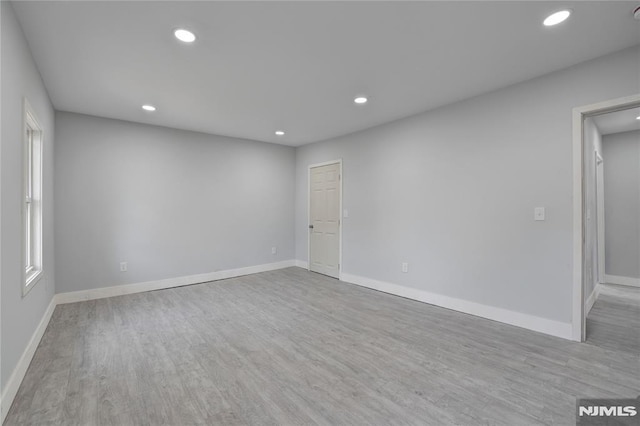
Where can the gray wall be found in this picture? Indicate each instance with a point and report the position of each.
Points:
(169, 202)
(20, 78)
(592, 144)
(622, 203)
(452, 191)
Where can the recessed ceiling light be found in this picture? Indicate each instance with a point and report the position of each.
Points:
(279, 133)
(185, 35)
(360, 100)
(556, 18)
(638, 117)
(148, 107)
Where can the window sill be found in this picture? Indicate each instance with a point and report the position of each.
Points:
(31, 280)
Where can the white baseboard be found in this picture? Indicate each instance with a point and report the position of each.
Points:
(11, 389)
(592, 299)
(616, 279)
(119, 290)
(302, 264)
(542, 325)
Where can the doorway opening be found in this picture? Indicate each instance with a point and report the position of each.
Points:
(590, 204)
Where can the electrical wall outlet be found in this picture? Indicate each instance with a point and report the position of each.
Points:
(405, 267)
(123, 266)
(274, 250)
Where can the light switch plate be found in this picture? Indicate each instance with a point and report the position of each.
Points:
(345, 213)
(538, 213)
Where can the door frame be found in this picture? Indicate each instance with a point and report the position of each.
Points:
(600, 237)
(311, 166)
(578, 323)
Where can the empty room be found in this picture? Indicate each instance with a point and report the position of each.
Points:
(320, 212)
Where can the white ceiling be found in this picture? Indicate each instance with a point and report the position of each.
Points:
(619, 121)
(261, 66)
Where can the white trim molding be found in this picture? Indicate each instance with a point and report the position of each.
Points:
(302, 264)
(616, 279)
(11, 389)
(119, 290)
(592, 298)
(530, 322)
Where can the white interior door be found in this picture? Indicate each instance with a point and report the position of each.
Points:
(324, 219)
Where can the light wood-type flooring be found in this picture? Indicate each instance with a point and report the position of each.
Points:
(291, 347)
(614, 320)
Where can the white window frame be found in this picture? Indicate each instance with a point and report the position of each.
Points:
(32, 146)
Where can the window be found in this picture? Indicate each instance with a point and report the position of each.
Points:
(32, 208)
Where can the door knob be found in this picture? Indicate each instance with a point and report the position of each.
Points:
(310, 226)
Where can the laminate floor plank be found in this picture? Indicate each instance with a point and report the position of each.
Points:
(290, 347)
(614, 320)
